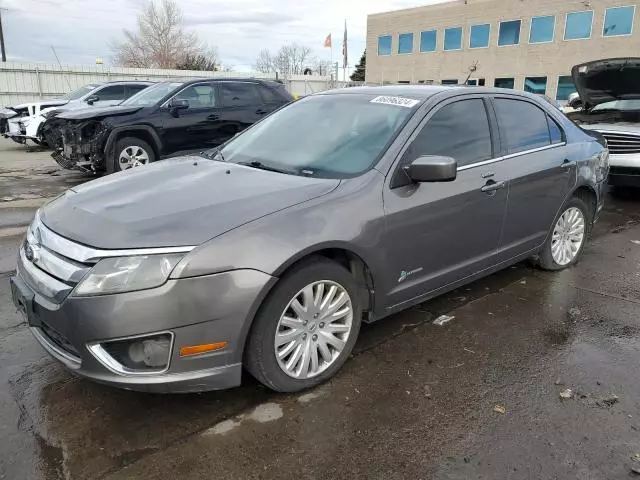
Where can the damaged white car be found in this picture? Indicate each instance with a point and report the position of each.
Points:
(24, 122)
(607, 103)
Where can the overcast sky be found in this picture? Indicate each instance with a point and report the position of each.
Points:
(80, 30)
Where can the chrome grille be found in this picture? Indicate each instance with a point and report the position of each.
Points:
(622, 142)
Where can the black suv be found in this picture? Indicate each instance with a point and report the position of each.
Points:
(166, 118)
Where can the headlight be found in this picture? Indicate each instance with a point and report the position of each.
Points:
(127, 274)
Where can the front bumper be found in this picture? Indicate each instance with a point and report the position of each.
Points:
(624, 170)
(195, 311)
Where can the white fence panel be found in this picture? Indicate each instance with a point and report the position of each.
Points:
(25, 82)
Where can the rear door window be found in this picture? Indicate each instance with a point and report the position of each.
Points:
(523, 126)
(239, 94)
(459, 130)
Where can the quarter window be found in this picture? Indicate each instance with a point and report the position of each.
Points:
(239, 94)
(565, 87)
(618, 21)
(459, 130)
(542, 29)
(509, 33)
(504, 83)
(428, 41)
(453, 38)
(518, 136)
(114, 92)
(384, 45)
(535, 85)
(555, 131)
(479, 36)
(578, 25)
(405, 43)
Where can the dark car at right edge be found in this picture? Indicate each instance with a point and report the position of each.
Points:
(267, 253)
(166, 118)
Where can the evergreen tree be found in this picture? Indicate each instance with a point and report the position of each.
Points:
(358, 74)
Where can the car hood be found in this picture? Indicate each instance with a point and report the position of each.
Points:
(177, 202)
(97, 112)
(620, 127)
(607, 80)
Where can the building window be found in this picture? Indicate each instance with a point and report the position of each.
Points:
(450, 82)
(577, 25)
(542, 29)
(618, 21)
(405, 43)
(535, 85)
(509, 33)
(384, 45)
(565, 87)
(504, 83)
(428, 41)
(453, 38)
(479, 36)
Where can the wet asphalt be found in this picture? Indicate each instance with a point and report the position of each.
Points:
(475, 398)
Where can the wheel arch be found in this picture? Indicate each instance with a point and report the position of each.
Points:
(143, 132)
(589, 196)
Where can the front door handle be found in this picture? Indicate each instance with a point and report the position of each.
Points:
(492, 186)
(213, 116)
(260, 111)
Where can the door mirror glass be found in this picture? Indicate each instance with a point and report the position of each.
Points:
(432, 168)
(574, 101)
(92, 99)
(179, 104)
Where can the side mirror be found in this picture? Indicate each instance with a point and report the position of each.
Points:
(92, 99)
(574, 101)
(179, 104)
(432, 168)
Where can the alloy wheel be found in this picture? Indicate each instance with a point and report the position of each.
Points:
(313, 329)
(568, 236)
(133, 156)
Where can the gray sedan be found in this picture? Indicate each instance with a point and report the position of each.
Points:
(268, 252)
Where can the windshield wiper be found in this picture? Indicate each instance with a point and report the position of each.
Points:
(262, 166)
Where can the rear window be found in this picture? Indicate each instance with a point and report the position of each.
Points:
(523, 126)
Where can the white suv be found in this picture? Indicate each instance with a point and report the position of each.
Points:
(608, 102)
(23, 121)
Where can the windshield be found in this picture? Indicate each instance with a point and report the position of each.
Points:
(151, 95)
(618, 105)
(81, 92)
(333, 136)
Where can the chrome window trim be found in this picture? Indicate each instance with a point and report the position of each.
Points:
(511, 155)
(69, 360)
(83, 254)
(98, 351)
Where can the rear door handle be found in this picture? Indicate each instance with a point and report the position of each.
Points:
(261, 111)
(567, 164)
(492, 186)
(213, 116)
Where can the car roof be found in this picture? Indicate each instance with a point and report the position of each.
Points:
(189, 81)
(425, 91)
(127, 82)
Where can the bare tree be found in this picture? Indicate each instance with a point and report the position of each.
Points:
(160, 41)
(322, 67)
(290, 59)
(205, 61)
(264, 62)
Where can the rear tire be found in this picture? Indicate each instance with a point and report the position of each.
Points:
(315, 343)
(567, 237)
(130, 152)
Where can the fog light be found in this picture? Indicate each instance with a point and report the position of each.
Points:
(149, 354)
(153, 353)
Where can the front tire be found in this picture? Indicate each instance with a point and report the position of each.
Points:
(567, 238)
(130, 152)
(306, 328)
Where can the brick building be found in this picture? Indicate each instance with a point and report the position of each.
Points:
(522, 44)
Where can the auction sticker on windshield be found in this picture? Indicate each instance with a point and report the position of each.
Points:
(398, 101)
